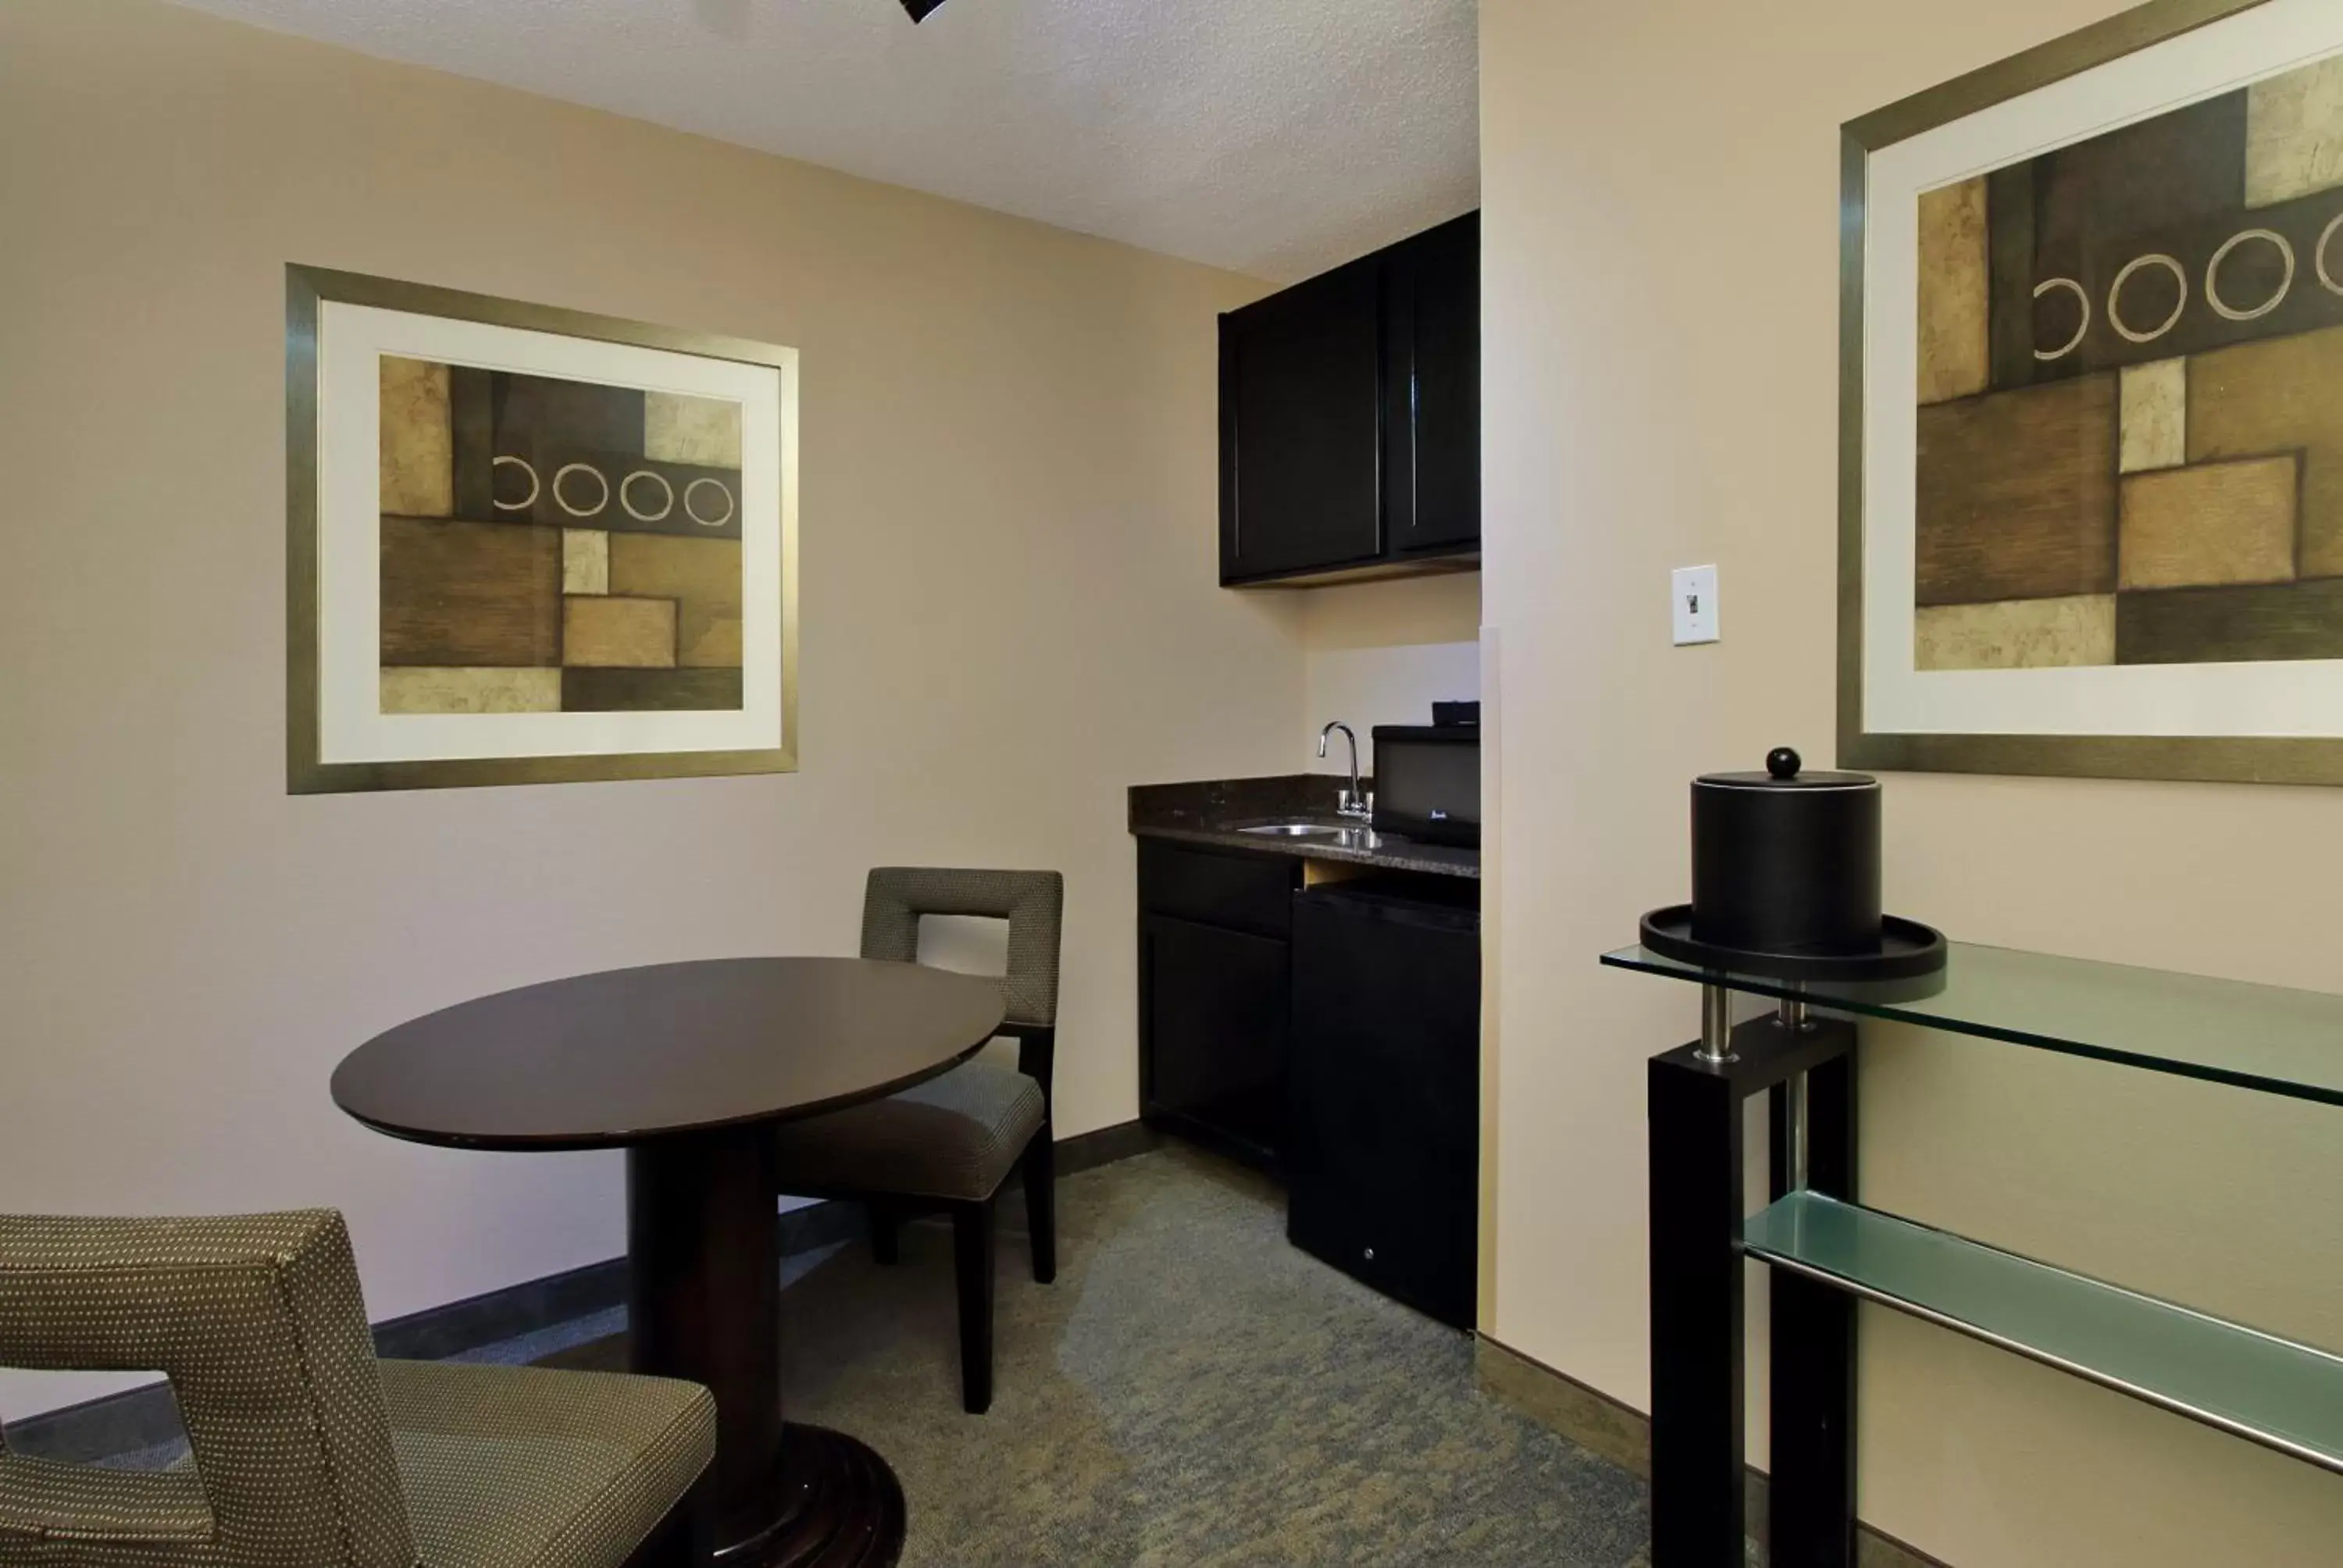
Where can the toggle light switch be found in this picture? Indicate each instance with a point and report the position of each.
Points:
(1695, 604)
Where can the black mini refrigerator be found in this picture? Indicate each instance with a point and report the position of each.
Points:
(1384, 1112)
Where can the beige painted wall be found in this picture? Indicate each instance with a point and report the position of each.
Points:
(1661, 197)
(1383, 653)
(1009, 614)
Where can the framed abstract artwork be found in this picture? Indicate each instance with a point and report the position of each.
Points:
(2091, 408)
(531, 546)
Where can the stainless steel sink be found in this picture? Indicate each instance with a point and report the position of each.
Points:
(1315, 833)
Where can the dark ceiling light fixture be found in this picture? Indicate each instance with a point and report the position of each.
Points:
(920, 8)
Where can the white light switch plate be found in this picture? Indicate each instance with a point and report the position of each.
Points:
(1695, 604)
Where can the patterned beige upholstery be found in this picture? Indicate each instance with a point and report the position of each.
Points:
(953, 1137)
(551, 1469)
(956, 1136)
(259, 1323)
(1032, 903)
(308, 1454)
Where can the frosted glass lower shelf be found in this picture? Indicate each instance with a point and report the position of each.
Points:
(2287, 1396)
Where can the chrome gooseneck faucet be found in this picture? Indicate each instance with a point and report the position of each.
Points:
(1351, 802)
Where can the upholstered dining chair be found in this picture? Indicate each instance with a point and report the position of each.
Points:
(307, 1452)
(951, 1141)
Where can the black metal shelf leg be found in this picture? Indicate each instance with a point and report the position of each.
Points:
(1697, 1520)
(1697, 1097)
(1811, 1504)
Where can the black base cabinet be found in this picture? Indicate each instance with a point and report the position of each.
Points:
(1216, 1016)
(1215, 997)
(1383, 1158)
(1329, 1035)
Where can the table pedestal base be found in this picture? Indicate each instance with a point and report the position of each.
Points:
(704, 1245)
(831, 1503)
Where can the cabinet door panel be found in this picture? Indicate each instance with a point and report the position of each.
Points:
(1300, 428)
(1215, 1015)
(1217, 888)
(1434, 450)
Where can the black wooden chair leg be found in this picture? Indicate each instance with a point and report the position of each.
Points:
(883, 1223)
(972, 1253)
(1039, 1169)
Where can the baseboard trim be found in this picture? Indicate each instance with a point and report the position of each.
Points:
(122, 1422)
(147, 1416)
(1105, 1145)
(1623, 1434)
(436, 1333)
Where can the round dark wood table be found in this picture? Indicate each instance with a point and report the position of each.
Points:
(687, 1067)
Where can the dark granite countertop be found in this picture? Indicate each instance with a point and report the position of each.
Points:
(1211, 812)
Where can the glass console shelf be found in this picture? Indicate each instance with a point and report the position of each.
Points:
(2283, 1395)
(2258, 1037)
(1827, 1252)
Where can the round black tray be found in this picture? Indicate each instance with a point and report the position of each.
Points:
(1907, 949)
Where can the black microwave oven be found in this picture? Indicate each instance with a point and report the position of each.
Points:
(1428, 782)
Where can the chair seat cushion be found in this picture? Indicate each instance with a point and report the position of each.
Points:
(956, 1136)
(521, 1467)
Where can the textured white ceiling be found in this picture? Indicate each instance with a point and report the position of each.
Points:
(1274, 137)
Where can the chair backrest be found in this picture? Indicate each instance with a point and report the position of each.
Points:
(1032, 903)
(258, 1322)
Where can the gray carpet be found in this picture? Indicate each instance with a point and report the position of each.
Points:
(1192, 1391)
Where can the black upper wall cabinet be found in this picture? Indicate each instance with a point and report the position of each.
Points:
(1351, 419)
